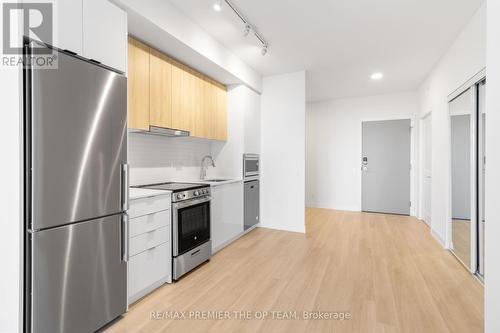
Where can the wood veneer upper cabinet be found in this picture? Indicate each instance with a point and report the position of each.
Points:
(210, 107)
(165, 93)
(160, 97)
(138, 85)
(221, 114)
(183, 98)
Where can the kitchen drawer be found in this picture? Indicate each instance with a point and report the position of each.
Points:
(148, 268)
(147, 223)
(148, 240)
(145, 206)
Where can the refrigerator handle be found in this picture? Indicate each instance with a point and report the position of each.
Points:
(125, 238)
(125, 186)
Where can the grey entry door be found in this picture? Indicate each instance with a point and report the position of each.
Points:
(385, 166)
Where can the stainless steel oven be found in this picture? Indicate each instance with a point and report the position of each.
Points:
(191, 244)
(251, 166)
(190, 224)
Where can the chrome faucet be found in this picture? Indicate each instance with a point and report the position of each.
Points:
(204, 166)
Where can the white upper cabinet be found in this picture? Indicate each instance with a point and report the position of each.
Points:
(68, 28)
(94, 29)
(105, 33)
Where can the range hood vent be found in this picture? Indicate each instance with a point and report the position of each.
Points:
(170, 132)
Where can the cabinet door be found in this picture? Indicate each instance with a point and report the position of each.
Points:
(160, 78)
(210, 107)
(105, 33)
(200, 120)
(221, 115)
(183, 95)
(138, 85)
(68, 25)
(226, 214)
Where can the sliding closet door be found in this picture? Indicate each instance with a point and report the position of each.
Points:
(461, 112)
(481, 172)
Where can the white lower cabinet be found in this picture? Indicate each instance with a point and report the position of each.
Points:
(150, 245)
(147, 223)
(149, 240)
(226, 214)
(147, 271)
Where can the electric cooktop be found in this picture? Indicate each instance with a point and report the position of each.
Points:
(174, 187)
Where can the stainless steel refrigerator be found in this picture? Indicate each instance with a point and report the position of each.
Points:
(76, 195)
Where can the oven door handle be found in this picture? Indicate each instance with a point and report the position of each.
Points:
(188, 203)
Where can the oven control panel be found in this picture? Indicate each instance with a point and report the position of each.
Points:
(191, 194)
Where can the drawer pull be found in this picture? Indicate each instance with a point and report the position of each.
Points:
(195, 253)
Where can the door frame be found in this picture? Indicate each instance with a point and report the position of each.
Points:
(413, 162)
(470, 84)
(421, 152)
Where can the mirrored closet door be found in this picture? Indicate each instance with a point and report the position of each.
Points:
(467, 139)
(481, 171)
(461, 110)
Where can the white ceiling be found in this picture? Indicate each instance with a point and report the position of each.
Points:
(340, 43)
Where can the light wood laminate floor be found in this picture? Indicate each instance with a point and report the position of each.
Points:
(387, 271)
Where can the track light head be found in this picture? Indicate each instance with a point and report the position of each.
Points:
(218, 5)
(248, 28)
(264, 49)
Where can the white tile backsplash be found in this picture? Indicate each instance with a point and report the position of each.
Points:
(155, 158)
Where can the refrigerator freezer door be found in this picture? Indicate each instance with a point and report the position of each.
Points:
(78, 142)
(79, 279)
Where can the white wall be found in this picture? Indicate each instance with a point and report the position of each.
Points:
(333, 145)
(11, 202)
(465, 57)
(243, 133)
(492, 251)
(283, 152)
(251, 103)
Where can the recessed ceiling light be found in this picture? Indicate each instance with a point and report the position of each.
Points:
(218, 5)
(376, 76)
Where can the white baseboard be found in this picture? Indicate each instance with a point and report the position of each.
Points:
(439, 239)
(311, 204)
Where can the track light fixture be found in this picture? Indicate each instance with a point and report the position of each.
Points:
(218, 5)
(264, 49)
(249, 27)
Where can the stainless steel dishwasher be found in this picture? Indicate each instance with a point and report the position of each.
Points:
(252, 203)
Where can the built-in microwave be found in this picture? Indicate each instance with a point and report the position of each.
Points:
(251, 166)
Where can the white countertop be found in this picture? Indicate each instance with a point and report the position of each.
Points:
(198, 181)
(229, 181)
(138, 193)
